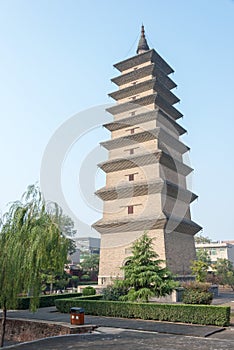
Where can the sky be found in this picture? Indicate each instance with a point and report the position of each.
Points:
(56, 62)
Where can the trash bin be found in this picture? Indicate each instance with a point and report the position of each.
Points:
(77, 315)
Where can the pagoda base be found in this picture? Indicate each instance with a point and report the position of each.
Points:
(175, 249)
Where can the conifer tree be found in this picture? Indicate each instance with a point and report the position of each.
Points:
(144, 273)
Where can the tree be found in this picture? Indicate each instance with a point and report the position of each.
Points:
(199, 269)
(225, 272)
(144, 274)
(203, 255)
(202, 239)
(90, 265)
(67, 226)
(30, 243)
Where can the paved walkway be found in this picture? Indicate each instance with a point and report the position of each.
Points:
(117, 333)
(50, 314)
(116, 339)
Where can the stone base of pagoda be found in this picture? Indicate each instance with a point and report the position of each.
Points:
(175, 248)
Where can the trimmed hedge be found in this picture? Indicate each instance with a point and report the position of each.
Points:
(89, 297)
(196, 314)
(45, 300)
(89, 291)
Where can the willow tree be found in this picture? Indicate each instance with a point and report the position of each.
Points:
(30, 242)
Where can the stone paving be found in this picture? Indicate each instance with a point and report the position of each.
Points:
(116, 333)
(50, 314)
(116, 339)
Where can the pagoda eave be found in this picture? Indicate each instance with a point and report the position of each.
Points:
(169, 223)
(148, 70)
(142, 188)
(150, 55)
(147, 135)
(144, 101)
(142, 118)
(134, 161)
(152, 84)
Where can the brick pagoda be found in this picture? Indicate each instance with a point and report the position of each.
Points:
(146, 186)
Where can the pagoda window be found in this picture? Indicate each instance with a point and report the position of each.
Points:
(130, 209)
(132, 130)
(134, 83)
(135, 68)
(133, 113)
(133, 97)
(131, 177)
(131, 150)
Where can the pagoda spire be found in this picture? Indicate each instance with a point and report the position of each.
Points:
(142, 45)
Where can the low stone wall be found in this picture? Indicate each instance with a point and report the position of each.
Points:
(174, 297)
(22, 330)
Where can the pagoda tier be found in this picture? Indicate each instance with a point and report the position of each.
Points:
(160, 221)
(151, 84)
(139, 137)
(148, 56)
(144, 159)
(154, 98)
(142, 188)
(144, 117)
(138, 74)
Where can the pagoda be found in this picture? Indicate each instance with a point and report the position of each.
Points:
(146, 189)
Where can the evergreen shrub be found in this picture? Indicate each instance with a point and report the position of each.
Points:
(45, 300)
(197, 293)
(89, 291)
(196, 314)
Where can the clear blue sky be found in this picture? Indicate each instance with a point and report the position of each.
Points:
(56, 60)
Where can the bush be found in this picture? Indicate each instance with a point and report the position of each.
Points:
(198, 286)
(114, 292)
(89, 291)
(197, 297)
(197, 293)
(197, 314)
(45, 300)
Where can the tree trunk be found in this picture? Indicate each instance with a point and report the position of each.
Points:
(51, 287)
(3, 325)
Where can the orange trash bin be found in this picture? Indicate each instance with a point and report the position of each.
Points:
(77, 315)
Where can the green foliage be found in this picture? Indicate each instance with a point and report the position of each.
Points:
(89, 291)
(91, 297)
(85, 278)
(197, 293)
(202, 239)
(197, 314)
(143, 273)
(225, 272)
(67, 226)
(90, 265)
(199, 269)
(30, 243)
(45, 300)
(115, 291)
(74, 281)
(52, 282)
(197, 286)
(203, 255)
(196, 297)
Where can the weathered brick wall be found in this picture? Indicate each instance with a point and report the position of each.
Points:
(27, 330)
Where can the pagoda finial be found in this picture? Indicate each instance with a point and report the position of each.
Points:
(142, 45)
